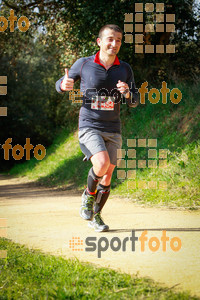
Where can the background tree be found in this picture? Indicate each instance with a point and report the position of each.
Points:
(62, 31)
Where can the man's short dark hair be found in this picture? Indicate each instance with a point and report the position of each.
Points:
(110, 26)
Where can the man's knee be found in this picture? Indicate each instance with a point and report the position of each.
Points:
(101, 167)
(108, 175)
(101, 163)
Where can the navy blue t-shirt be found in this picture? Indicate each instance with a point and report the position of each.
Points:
(101, 99)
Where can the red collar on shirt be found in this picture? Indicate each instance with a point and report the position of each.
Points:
(97, 61)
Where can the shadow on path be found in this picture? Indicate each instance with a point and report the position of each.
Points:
(19, 190)
(154, 229)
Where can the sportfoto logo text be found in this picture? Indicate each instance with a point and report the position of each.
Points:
(154, 95)
(23, 23)
(102, 244)
(18, 151)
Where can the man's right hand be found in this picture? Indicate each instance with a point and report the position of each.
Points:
(68, 83)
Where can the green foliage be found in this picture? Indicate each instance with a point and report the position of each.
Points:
(31, 100)
(73, 27)
(83, 19)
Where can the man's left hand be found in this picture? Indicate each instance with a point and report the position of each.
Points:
(123, 88)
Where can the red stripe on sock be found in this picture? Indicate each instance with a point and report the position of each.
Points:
(91, 192)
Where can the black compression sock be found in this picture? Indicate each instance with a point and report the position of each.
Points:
(92, 182)
(103, 193)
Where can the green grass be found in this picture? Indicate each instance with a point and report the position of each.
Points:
(30, 274)
(181, 177)
(61, 165)
(176, 128)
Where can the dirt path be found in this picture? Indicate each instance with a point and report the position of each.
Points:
(47, 219)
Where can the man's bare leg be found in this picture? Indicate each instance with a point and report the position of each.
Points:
(100, 162)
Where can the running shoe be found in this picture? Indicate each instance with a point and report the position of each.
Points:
(86, 210)
(98, 224)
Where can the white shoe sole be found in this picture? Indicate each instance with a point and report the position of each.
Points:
(97, 230)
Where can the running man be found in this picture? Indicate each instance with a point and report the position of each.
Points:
(105, 82)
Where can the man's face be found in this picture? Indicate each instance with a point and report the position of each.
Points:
(110, 42)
